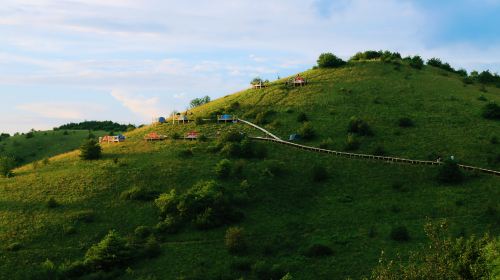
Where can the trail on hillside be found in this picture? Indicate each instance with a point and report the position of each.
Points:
(276, 139)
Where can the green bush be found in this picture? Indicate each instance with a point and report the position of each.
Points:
(175, 136)
(15, 246)
(86, 216)
(112, 251)
(359, 126)
(491, 111)
(329, 60)
(169, 225)
(235, 240)
(265, 271)
(326, 144)
(450, 173)
(241, 264)
(151, 248)
(231, 149)
(307, 131)
(319, 173)
(405, 122)
(7, 164)
(223, 169)
(379, 151)
(142, 232)
(138, 193)
(302, 117)
(231, 135)
(52, 203)
(186, 152)
(494, 140)
(318, 250)
(400, 234)
(90, 150)
(352, 143)
(274, 168)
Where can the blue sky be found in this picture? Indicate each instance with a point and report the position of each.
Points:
(128, 60)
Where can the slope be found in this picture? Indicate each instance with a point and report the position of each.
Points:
(352, 212)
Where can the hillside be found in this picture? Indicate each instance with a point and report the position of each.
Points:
(37, 145)
(288, 210)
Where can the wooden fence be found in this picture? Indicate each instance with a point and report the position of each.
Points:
(276, 139)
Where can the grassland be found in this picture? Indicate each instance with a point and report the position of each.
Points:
(42, 144)
(352, 212)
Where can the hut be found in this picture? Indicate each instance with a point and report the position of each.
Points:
(112, 139)
(226, 118)
(192, 135)
(180, 118)
(298, 81)
(153, 136)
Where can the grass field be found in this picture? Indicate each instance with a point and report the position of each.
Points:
(43, 144)
(352, 212)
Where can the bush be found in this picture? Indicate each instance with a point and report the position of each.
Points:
(491, 111)
(112, 251)
(175, 136)
(231, 135)
(151, 248)
(265, 271)
(6, 166)
(52, 203)
(405, 122)
(326, 144)
(142, 232)
(359, 126)
(400, 234)
(199, 101)
(417, 62)
(15, 246)
(231, 150)
(186, 152)
(235, 240)
(223, 169)
(302, 117)
(90, 150)
(86, 216)
(329, 60)
(138, 193)
(379, 151)
(241, 264)
(319, 174)
(450, 173)
(169, 225)
(307, 131)
(352, 143)
(273, 168)
(318, 250)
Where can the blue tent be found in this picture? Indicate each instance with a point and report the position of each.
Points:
(294, 137)
(226, 117)
(161, 120)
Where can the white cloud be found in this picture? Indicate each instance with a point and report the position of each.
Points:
(62, 110)
(145, 107)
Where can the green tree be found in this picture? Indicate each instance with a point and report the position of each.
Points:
(223, 169)
(90, 150)
(450, 173)
(491, 111)
(235, 240)
(7, 164)
(329, 60)
(199, 101)
(110, 252)
(417, 62)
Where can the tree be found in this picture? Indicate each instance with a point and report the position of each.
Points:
(6, 166)
(416, 62)
(110, 252)
(199, 101)
(450, 173)
(329, 60)
(235, 240)
(90, 150)
(223, 169)
(491, 111)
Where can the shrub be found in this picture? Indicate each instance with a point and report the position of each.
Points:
(405, 122)
(326, 144)
(15, 246)
(169, 225)
(151, 248)
(223, 169)
(273, 168)
(138, 193)
(260, 118)
(379, 151)
(359, 126)
(450, 173)
(231, 150)
(307, 131)
(69, 229)
(52, 203)
(199, 101)
(302, 117)
(186, 152)
(400, 234)
(287, 276)
(491, 111)
(319, 174)
(417, 62)
(45, 161)
(6, 166)
(318, 250)
(482, 98)
(167, 203)
(329, 60)
(235, 240)
(241, 264)
(90, 150)
(142, 232)
(112, 251)
(86, 216)
(175, 136)
(352, 143)
(231, 135)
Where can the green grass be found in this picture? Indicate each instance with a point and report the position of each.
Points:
(352, 212)
(43, 144)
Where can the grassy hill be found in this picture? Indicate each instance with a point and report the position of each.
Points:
(287, 212)
(37, 145)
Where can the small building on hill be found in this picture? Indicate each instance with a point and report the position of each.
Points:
(153, 136)
(227, 118)
(297, 81)
(112, 138)
(192, 135)
(180, 118)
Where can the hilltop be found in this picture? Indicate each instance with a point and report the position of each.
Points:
(312, 215)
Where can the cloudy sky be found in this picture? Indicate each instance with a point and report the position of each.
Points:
(129, 60)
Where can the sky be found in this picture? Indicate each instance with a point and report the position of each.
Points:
(131, 60)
